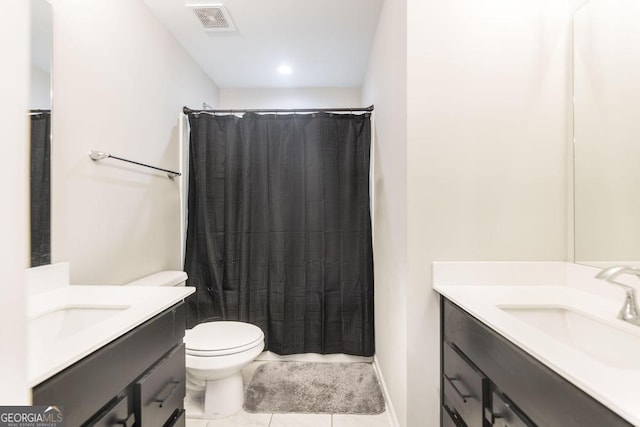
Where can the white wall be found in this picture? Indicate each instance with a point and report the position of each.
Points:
(385, 86)
(120, 81)
(476, 170)
(14, 216)
(290, 98)
(486, 152)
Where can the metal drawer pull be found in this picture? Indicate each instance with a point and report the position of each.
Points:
(175, 418)
(464, 397)
(128, 422)
(166, 392)
(491, 417)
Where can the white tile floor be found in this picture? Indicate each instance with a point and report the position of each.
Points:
(245, 419)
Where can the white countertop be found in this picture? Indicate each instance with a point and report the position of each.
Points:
(55, 345)
(618, 389)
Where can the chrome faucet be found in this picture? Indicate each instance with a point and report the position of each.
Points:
(629, 312)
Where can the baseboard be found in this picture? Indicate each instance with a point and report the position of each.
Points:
(391, 412)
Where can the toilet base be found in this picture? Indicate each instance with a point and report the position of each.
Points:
(223, 397)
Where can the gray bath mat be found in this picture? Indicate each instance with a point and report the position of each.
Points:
(319, 388)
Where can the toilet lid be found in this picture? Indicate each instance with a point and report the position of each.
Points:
(223, 337)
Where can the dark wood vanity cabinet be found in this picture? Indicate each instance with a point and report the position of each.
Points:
(488, 381)
(136, 380)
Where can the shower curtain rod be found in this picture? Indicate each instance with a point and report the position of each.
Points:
(35, 112)
(187, 110)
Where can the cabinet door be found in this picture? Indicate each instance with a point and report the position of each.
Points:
(463, 387)
(161, 391)
(503, 414)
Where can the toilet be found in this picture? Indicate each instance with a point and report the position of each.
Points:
(216, 352)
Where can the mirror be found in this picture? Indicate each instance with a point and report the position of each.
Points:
(40, 114)
(607, 132)
(41, 45)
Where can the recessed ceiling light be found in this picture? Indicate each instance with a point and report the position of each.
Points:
(285, 69)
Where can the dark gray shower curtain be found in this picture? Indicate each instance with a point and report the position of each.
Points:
(279, 229)
(40, 188)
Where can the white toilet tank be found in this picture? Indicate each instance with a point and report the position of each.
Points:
(161, 278)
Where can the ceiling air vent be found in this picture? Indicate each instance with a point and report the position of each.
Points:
(214, 17)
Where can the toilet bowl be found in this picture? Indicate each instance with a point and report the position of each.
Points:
(216, 352)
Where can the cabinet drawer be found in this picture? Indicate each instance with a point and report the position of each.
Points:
(161, 391)
(503, 414)
(178, 420)
(463, 387)
(116, 414)
(449, 419)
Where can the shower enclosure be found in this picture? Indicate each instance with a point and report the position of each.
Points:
(279, 228)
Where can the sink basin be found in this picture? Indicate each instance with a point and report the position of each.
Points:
(61, 323)
(617, 346)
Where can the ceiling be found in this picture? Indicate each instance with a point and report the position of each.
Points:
(325, 42)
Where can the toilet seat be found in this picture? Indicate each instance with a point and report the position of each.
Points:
(222, 338)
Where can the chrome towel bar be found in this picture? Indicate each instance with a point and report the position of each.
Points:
(101, 155)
